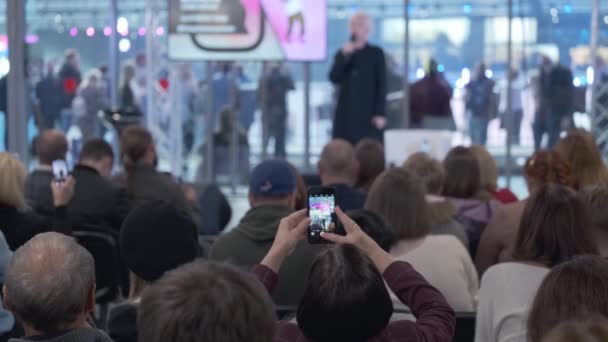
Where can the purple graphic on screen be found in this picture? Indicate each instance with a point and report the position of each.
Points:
(299, 26)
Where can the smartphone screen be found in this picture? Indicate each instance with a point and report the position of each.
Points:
(321, 206)
(60, 170)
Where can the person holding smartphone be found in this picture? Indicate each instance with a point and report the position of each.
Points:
(345, 297)
(359, 73)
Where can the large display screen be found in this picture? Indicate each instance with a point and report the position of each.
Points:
(293, 30)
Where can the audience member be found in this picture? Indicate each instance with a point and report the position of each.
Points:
(141, 179)
(18, 224)
(338, 168)
(555, 227)
(97, 201)
(7, 320)
(370, 156)
(217, 214)
(346, 298)
(474, 206)
(489, 176)
(155, 238)
(594, 329)
(498, 239)
(271, 196)
(206, 302)
(574, 290)
(374, 226)
(441, 211)
(50, 145)
(579, 149)
(398, 196)
(596, 199)
(301, 189)
(50, 288)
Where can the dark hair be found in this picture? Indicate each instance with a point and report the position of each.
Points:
(579, 149)
(463, 174)
(575, 289)
(345, 298)
(96, 149)
(555, 226)
(429, 169)
(588, 329)
(206, 301)
(398, 196)
(370, 154)
(374, 226)
(51, 145)
(546, 166)
(596, 199)
(134, 144)
(301, 189)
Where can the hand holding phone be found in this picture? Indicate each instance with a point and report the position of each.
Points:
(60, 170)
(321, 212)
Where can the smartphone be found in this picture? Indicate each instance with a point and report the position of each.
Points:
(321, 211)
(60, 170)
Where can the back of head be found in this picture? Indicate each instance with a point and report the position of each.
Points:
(12, 181)
(548, 167)
(398, 196)
(429, 169)
(206, 302)
(596, 199)
(374, 226)
(272, 181)
(463, 174)
(301, 189)
(487, 167)
(95, 150)
(157, 237)
(51, 145)
(370, 155)
(134, 143)
(579, 149)
(49, 281)
(592, 329)
(338, 160)
(576, 289)
(345, 298)
(555, 227)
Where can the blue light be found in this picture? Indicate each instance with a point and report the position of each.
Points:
(441, 68)
(410, 9)
(467, 8)
(568, 8)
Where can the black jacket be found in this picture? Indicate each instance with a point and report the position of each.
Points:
(97, 201)
(38, 191)
(19, 226)
(349, 198)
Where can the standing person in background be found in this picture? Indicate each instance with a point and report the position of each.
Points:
(224, 91)
(479, 103)
(430, 101)
(517, 108)
(70, 78)
(127, 95)
(93, 94)
(48, 96)
(372, 162)
(359, 72)
(273, 89)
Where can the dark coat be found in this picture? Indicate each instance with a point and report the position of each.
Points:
(19, 226)
(361, 82)
(96, 200)
(38, 191)
(349, 198)
(430, 95)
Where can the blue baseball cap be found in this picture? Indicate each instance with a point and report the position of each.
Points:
(272, 178)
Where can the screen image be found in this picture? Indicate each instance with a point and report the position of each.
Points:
(294, 30)
(320, 212)
(60, 170)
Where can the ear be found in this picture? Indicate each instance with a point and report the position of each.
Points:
(90, 304)
(251, 200)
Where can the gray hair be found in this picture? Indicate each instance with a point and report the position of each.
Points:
(48, 281)
(338, 157)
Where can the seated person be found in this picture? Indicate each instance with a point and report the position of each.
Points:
(593, 329)
(272, 197)
(97, 201)
(489, 176)
(155, 238)
(18, 224)
(441, 211)
(51, 145)
(370, 155)
(346, 298)
(206, 301)
(574, 290)
(399, 197)
(50, 289)
(374, 226)
(338, 169)
(596, 198)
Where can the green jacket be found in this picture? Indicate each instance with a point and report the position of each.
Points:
(248, 243)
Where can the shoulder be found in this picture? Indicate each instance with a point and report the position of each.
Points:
(446, 244)
(225, 245)
(496, 275)
(287, 332)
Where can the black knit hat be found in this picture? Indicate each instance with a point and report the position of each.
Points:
(157, 237)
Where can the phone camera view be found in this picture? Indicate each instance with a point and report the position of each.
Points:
(60, 170)
(321, 210)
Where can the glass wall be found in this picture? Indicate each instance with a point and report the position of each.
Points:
(4, 67)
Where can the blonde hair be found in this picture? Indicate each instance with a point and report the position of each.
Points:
(579, 149)
(12, 181)
(488, 168)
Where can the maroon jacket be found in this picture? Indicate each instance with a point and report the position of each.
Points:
(435, 318)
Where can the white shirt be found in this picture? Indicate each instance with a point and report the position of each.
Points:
(506, 294)
(294, 7)
(446, 264)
